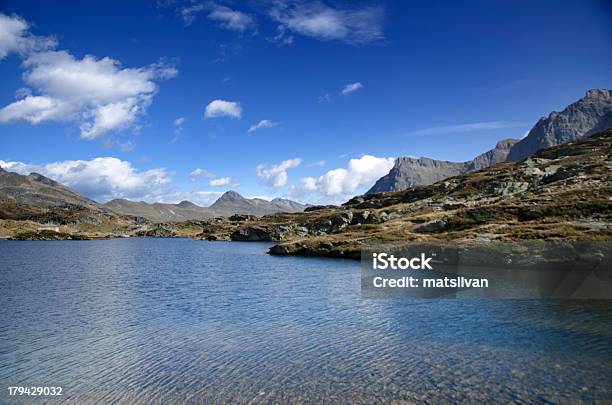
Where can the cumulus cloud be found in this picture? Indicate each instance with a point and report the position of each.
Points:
(102, 178)
(262, 124)
(309, 183)
(318, 20)
(223, 108)
(222, 181)
(199, 172)
(351, 87)
(213, 182)
(231, 19)
(98, 94)
(16, 37)
(276, 175)
(360, 172)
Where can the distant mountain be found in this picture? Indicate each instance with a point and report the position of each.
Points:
(228, 204)
(589, 115)
(233, 203)
(409, 172)
(38, 198)
(158, 212)
(36, 189)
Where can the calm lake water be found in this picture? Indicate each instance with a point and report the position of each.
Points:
(177, 320)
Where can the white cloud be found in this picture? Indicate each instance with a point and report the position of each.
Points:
(360, 172)
(223, 108)
(98, 94)
(317, 20)
(262, 124)
(15, 37)
(222, 181)
(276, 175)
(213, 182)
(474, 126)
(199, 172)
(351, 87)
(309, 183)
(178, 128)
(231, 19)
(102, 178)
(226, 17)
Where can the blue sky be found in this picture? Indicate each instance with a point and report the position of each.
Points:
(154, 101)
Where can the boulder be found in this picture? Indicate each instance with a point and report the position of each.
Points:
(251, 234)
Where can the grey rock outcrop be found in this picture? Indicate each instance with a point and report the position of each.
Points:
(589, 115)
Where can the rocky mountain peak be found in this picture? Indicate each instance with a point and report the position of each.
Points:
(597, 95)
(186, 204)
(590, 114)
(42, 179)
(231, 196)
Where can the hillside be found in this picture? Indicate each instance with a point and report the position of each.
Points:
(30, 202)
(38, 190)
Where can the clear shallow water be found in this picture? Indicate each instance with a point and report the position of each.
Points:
(177, 320)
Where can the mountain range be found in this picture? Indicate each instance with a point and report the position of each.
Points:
(591, 114)
(38, 198)
(230, 203)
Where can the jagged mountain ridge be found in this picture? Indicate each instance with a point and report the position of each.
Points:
(228, 204)
(409, 172)
(590, 114)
